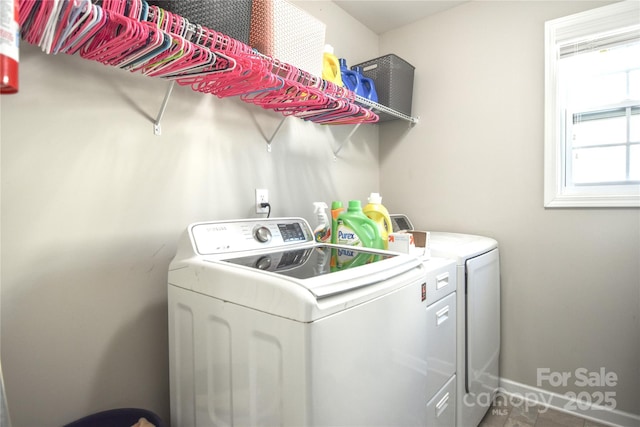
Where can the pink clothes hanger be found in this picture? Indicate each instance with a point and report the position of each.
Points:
(183, 56)
(115, 6)
(37, 26)
(66, 11)
(120, 36)
(26, 7)
(80, 10)
(91, 23)
(157, 42)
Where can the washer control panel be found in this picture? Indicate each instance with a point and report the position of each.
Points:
(221, 237)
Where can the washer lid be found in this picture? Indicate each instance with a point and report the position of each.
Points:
(309, 262)
(325, 270)
(275, 289)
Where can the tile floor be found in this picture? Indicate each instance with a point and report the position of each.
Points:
(508, 412)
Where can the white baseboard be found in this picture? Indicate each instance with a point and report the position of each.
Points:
(559, 402)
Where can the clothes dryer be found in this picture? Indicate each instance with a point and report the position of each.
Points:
(478, 317)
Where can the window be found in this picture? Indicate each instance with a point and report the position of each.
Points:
(592, 108)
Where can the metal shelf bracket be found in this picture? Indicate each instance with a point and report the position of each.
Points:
(157, 129)
(376, 108)
(353, 131)
(275, 132)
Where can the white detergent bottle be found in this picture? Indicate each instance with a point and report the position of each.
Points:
(379, 214)
(322, 232)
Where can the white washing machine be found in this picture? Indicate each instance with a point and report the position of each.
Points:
(267, 327)
(478, 317)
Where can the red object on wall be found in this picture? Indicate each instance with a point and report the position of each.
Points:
(9, 46)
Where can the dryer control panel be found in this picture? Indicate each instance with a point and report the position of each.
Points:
(221, 237)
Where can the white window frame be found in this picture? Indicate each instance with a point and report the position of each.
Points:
(575, 27)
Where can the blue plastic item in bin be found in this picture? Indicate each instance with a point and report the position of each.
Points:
(367, 87)
(122, 417)
(350, 78)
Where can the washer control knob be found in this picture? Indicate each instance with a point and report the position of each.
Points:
(262, 234)
(264, 263)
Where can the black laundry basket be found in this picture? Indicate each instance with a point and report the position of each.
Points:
(122, 417)
(230, 17)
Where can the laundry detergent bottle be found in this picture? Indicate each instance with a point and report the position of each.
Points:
(336, 210)
(354, 228)
(380, 215)
(350, 78)
(331, 66)
(322, 232)
(367, 86)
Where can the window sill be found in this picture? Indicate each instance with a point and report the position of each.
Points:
(592, 201)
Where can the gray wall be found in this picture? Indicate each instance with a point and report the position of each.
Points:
(93, 204)
(474, 164)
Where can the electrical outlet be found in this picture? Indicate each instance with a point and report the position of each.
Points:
(262, 196)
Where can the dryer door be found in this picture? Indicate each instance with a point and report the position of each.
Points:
(483, 323)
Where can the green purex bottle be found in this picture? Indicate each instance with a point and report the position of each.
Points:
(354, 228)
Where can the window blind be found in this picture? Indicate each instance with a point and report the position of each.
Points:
(599, 42)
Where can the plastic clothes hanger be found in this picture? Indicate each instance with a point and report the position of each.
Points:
(157, 42)
(65, 12)
(34, 24)
(73, 21)
(121, 35)
(273, 77)
(26, 9)
(201, 63)
(253, 76)
(335, 111)
(177, 50)
(194, 56)
(335, 108)
(50, 26)
(144, 11)
(340, 110)
(134, 11)
(292, 97)
(92, 22)
(161, 41)
(220, 64)
(361, 115)
(115, 6)
(248, 74)
(39, 23)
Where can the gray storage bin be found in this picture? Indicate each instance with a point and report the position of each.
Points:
(393, 77)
